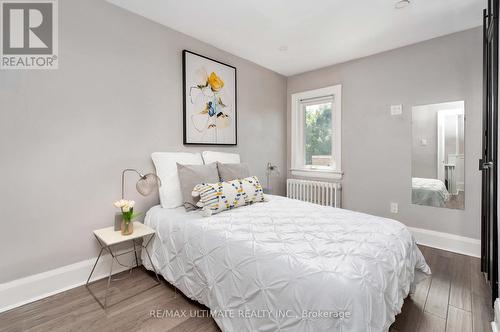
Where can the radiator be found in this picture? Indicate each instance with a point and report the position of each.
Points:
(323, 193)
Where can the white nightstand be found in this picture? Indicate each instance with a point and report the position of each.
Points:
(108, 237)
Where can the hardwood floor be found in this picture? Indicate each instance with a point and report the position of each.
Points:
(456, 298)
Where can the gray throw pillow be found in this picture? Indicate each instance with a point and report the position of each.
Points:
(192, 175)
(230, 172)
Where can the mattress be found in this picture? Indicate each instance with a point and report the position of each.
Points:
(431, 192)
(288, 265)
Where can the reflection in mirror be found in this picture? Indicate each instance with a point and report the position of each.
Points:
(438, 177)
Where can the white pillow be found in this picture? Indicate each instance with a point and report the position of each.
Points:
(222, 157)
(166, 169)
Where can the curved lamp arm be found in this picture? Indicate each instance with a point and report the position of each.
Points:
(144, 185)
(123, 178)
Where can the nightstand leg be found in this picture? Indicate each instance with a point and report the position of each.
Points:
(109, 279)
(135, 253)
(93, 268)
(149, 257)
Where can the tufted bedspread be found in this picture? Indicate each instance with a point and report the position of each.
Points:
(287, 265)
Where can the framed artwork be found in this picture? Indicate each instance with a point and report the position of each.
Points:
(209, 101)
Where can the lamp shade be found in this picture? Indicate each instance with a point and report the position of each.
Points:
(147, 183)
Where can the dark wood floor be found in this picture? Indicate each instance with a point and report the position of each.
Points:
(456, 298)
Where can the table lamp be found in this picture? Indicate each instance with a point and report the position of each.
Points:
(144, 186)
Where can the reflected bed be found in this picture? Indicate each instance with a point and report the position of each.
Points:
(431, 192)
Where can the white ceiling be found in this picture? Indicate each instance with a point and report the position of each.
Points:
(316, 33)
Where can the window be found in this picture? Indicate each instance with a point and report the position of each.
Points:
(316, 121)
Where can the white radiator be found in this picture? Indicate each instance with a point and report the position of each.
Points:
(323, 193)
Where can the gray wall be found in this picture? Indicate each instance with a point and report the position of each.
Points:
(376, 147)
(424, 158)
(65, 135)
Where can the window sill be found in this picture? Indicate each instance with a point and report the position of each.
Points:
(316, 173)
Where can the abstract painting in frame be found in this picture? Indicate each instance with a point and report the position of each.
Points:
(209, 101)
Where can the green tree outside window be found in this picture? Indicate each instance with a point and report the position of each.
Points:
(318, 134)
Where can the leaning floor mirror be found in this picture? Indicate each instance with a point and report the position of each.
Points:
(438, 177)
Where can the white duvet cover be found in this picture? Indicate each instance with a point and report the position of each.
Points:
(288, 265)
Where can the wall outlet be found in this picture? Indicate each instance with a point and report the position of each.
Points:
(396, 109)
(394, 207)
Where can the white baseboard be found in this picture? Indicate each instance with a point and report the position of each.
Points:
(35, 287)
(445, 241)
(25, 290)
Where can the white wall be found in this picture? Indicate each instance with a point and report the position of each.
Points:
(66, 134)
(376, 147)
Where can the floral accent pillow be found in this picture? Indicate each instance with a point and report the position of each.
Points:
(221, 196)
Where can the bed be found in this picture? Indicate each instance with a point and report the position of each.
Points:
(431, 192)
(288, 265)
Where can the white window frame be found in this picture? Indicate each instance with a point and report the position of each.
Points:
(298, 166)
